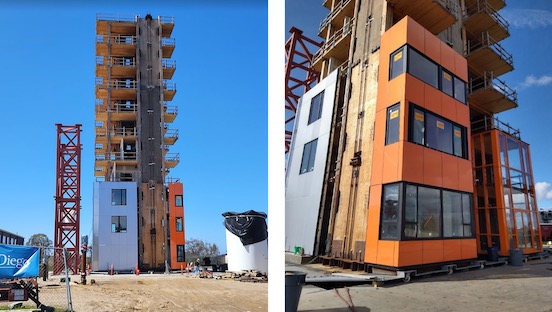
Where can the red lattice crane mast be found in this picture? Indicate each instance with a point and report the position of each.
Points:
(298, 61)
(67, 219)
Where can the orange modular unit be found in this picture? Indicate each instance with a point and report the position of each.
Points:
(506, 207)
(177, 239)
(420, 203)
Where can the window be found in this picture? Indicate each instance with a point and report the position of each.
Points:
(424, 213)
(118, 197)
(179, 224)
(118, 224)
(390, 212)
(179, 253)
(178, 201)
(446, 82)
(422, 68)
(316, 107)
(398, 62)
(393, 122)
(459, 90)
(309, 153)
(437, 133)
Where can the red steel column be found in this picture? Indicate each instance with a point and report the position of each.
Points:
(67, 219)
(298, 59)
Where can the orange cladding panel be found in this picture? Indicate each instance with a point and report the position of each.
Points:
(410, 253)
(176, 237)
(463, 115)
(415, 34)
(461, 67)
(433, 99)
(432, 251)
(391, 165)
(450, 171)
(452, 250)
(449, 107)
(394, 92)
(465, 176)
(372, 232)
(433, 168)
(469, 248)
(413, 163)
(432, 47)
(447, 57)
(387, 253)
(414, 91)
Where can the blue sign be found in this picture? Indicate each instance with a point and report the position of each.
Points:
(19, 261)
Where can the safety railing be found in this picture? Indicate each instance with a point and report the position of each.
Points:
(486, 123)
(334, 39)
(170, 133)
(337, 8)
(166, 19)
(168, 63)
(489, 82)
(116, 39)
(168, 42)
(117, 17)
(170, 109)
(128, 84)
(117, 108)
(484, 7)
(172, 157)
(169, 85)
(488, 41)
(114, 156)
(116, 61)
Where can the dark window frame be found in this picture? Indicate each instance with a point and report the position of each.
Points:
(403, 219)
(463, 131)
(309, 156)
(180, 253)
(181, 229)
(122, 198)
(403, 61)
(178, 200)
(385, 221)
(317, 102)
(117, 225)
(389, 120)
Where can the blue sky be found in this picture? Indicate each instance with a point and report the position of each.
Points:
(530, 44)
(221, 79)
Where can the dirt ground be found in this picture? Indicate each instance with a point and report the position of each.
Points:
(156, 292)
(494, 288)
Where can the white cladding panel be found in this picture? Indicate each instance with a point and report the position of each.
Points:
(112, 248)
(304, 191)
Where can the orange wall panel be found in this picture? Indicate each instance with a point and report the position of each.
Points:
(447, 57)
(432, 251)
(433, 47)
(469, 248)
(415, 91)
(413, 163)
(387, 253)
(452, 250)
(465, 176)
(461, 67)
(463, 115)
(372, 231)
(433, 168)
(391, 165)
(449, 107)
(433, 99)
(415, 34)
(450, 171)
(410, 253)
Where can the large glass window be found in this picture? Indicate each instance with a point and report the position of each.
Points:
(422, 68)
(393, 123)
(118, 224)
(118, 197)
(390, 212)
(459, 90)
(179, 224)
(453, 225)
(398, 62)
(429, 212)
(446, 82)
(316, 107)
(309, 153)
(179, 253)
(436, 132)
(514, 160)
(411, 212)
(178, 201)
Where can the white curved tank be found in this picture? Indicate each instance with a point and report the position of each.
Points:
(248, 257)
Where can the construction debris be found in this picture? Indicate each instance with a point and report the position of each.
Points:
(245, 276)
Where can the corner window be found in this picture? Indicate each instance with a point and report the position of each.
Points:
(179, 253)
(393, 123)
(398, 62)
(118, 197)
(390, 212)
(316, 107)
(459, 90)
(309, 153)
(119, 224)
(446, 82)
(422, 68)
(179, 224)
(178, 202)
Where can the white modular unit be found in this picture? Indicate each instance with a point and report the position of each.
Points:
(248, 257)
(115, 226)
(304, 183)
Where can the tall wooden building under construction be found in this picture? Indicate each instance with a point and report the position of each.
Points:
(134, 114)
(397, 158)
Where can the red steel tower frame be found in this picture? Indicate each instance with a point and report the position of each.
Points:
(298, 59)
(67, 197)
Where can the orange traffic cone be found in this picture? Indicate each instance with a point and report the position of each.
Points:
(137, 269)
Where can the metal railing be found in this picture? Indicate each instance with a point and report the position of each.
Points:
(117, 17)
(489, 82)
(168, 63)
(116, 61)
(486, 123)
(116, 39)
(168, 42)
(166, 19)
(114, 156)
(169, 85)
(484, 6)
(170, 133)
(334, 39)
(117, 108)
(129, 84)
(488, 41)
(337, 8)
(172, 157)
(119, 131)
(170, 110)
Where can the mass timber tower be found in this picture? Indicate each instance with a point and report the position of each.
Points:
(133, 138)
(397, 158)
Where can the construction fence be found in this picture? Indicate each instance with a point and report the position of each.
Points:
(50, 291)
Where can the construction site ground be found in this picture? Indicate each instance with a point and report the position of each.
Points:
(156, 292)
(493, 288)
